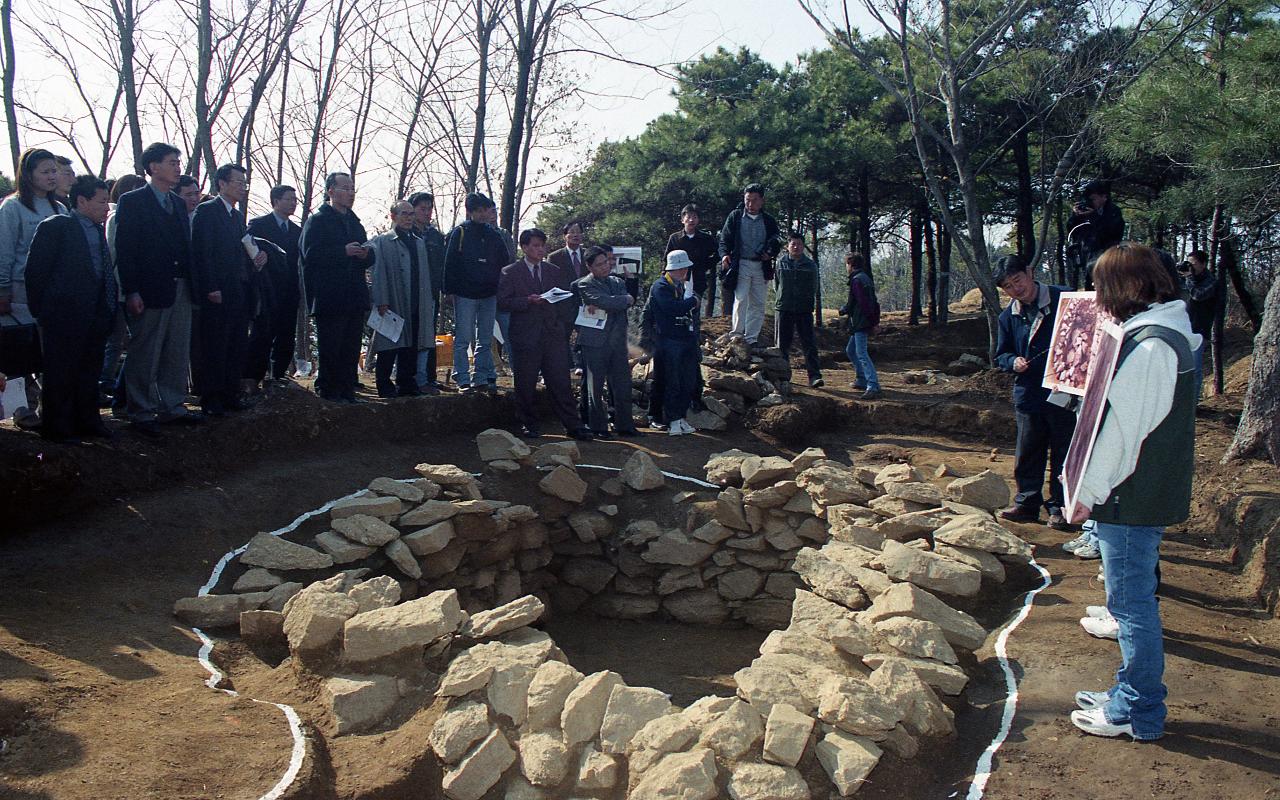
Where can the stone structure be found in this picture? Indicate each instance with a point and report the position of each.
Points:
(851, 568)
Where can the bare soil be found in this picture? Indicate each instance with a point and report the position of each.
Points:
(101, 695)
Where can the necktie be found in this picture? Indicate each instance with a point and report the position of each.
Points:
(284, 226)
(577, 264)
(537, 276)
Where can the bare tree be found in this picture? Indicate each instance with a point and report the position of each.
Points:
(126, 14)
(325, 71)
(10, 71)
(282, 20)
(231, 39)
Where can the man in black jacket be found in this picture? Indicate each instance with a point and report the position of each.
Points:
(474, 256)
(1096, 224)
(1200, 292)
(749, 242)
(153, 259)
(703, 252)
(222, 270)
(72, 290)
(275, 332)
(334, 260)
(424, 207)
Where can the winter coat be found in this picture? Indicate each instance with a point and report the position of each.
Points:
(797, 285)
(335, 282)
(392, 286)
(1026, 333)
(474, 256)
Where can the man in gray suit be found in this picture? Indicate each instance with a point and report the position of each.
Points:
(604, 344)
(402, 284)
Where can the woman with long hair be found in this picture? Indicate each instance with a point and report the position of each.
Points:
(1138, 479)
(20, 213)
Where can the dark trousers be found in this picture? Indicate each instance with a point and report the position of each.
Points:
(224, 340)
(711, 296)
(657, 386)
(1046, 432)
(791, 323)
(338, 337)
(552, 361)
(113, 358)
(726, 302)
(679, 364)
(404, 360)
(272, 340)
(608, 364)
(431, 354)
(73, 353)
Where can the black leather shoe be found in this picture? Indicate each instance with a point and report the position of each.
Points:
(1016, 513)
(629, 432)
(581, 434)
(601, 435)
(530, 432)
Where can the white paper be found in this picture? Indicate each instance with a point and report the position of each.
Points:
(592, 319)
(556, 294)
(497, 332)
(250, 246)
(14, 397)
(389, 324)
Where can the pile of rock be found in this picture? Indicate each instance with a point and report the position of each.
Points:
(848, 566)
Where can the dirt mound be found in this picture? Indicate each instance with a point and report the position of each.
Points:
(1235, 379)
(794, 423)
(972, 301)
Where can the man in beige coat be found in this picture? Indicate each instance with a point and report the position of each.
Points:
(401, 278)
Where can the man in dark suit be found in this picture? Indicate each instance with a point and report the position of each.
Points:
(702, 249)
(570, 262)
(275, 328)
(334, 260)
(222, 270)
(71, 287)
(538, 336)
(153, 259)
(424, 207)
(604, 345)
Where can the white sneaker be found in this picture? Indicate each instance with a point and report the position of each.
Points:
(1087, 701)
(678, 428)
(1102, 576)
(1079, 541)
(1087, 551)
(1102, 628)
(1094, 721)
(1097, 612)
(687, 427)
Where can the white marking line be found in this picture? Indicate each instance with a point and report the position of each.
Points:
(983, 771)
(299, 752)
(703, 484)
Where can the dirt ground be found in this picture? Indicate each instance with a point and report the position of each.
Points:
(101, 695)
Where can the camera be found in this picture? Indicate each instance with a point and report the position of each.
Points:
(1184, 267)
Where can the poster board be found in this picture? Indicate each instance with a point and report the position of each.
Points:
(628, 262)
(1075, 327)
(1102, 367)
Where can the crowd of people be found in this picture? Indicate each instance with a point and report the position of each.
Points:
(159, 293)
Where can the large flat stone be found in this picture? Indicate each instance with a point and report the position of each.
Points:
(358, 702)
(366, 530)
(315, 619)
(374, 506)
(507, 617)
(629, 709)
(217, 610)
(929, 570)
(429, 513)
(481, 769)
(384, 632)
(564, 483)
(341, 549)
(946, 678)
(786, 735)
(766, 782)
(496, 444)
(585, 705)
(908, 600)
(551, 685)
(640, 472)
(457, 729)
(830, 485)
(847, 759)
(984, 490)
(674, 547)
(431, 539)
(274, 552)
(679, 776)
(982, 533)
(858, 708)
(916, 638)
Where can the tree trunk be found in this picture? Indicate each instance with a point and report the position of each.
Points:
(944, 273)
(1060, 247)
(529, 30)
(864, 217)
(1219, 316)
(1025, 221)
(204, 56)
(325, 94)
(280, 119)
(817, 301)
(1259, 429)
(126, 22)
(932, 257)
(916, 246)
(1229, 261)
(10, 71)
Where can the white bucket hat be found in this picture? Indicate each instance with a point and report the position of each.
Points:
(678, 259)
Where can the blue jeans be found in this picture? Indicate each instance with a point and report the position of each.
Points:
(866, 371)
(504, 325)
(1130, 554)
(473, 324)
(1089, 529)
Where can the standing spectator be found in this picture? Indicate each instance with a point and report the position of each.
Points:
(702, 250)
(424, 206)
(863, 311)
(1200, 292)
(748, 244)
(66, 179)
(110, 382)
(334, 258)
(537, 337)
(275, 333)
(189, 190)
(222, 270)
(1138, 480)
(569, 260)
(675, 323)
(473, 262)
(796, 295)
(71, 286)
(402, 284)
(503, 318)
(1096, 224)
(153, 248)
(1026, 329)
(604, 349)
(20, 214)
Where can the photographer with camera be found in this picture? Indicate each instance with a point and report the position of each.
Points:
(1200, 291)
(1096, 224)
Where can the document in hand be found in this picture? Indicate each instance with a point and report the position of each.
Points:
(556, 294)
(14, 397)
(250, 246)
(389, 324)
(592, 319)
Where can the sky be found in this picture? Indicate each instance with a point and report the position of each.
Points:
(623, 98)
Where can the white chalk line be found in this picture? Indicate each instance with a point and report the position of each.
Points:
(695, 481)
(299, 752)
(982, 773)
